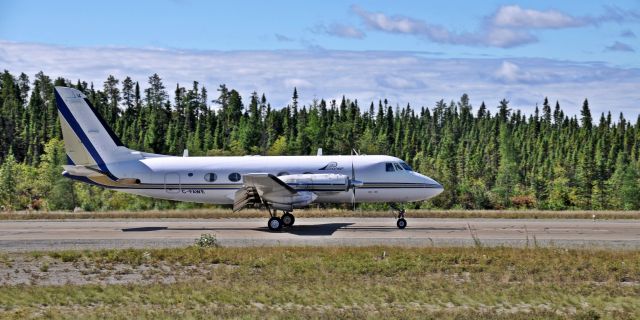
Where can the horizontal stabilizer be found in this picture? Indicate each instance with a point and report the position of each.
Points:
(83, 171)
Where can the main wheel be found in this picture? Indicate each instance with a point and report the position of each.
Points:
(401, 223)
(288, 219)
(274, 224)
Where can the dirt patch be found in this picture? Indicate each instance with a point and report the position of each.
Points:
(20, 269)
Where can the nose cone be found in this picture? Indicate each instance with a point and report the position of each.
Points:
(439, 188)
(432, 188)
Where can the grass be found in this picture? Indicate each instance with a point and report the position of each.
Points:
(308, 213)
(346, 282)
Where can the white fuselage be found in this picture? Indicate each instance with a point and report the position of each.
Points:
(96, 155)
(190, 178)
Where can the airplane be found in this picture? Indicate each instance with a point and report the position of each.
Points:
(96, 156)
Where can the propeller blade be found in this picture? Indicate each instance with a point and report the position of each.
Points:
(353, 199)
(353, 187)
(353, 171)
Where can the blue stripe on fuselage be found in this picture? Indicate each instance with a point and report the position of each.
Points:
(83, 179)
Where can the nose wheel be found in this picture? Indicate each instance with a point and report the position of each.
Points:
(401, 222)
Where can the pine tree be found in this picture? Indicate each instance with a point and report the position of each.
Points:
(546, 159)
(8, 174)
(157, 122)
(113, 100)
(57, 189)
(630, 191)
(584, 176)
(546, 112)
(559, 192)
(507, 178)
(616, 183)
(586, 119)
(599, 193)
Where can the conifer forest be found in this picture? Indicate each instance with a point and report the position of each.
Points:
(542, 159)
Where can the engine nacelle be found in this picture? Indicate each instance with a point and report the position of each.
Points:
(317, 182)
(288, 203)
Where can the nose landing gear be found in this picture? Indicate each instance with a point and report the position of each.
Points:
(401, 222)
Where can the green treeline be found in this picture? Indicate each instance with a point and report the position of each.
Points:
(545, 160)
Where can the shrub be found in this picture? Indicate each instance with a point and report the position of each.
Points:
(207, 240)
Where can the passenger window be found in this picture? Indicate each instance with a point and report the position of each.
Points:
(234, 177)
(389, 167)
(210, 177)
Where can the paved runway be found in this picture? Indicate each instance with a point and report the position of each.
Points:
(120, 233)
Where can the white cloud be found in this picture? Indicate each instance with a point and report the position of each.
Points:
(297, 82)
(506, 38)
(400, 82)
(509, 26)
(515, 16)
(401, 77)
(343, 31)
(406, 25)
(508, 72)
(488, 35)
(397, 24)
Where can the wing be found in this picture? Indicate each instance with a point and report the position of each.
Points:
(258, 187)
(268, 185)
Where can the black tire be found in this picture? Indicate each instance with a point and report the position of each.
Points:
(401, 223)
(288, 219)
(274, 224)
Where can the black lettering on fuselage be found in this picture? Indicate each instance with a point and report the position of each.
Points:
(193, 191)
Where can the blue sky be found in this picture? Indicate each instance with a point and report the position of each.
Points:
(409, 51)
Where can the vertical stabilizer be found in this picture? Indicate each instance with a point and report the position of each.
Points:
(87, 138)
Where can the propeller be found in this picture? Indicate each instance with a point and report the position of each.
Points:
(353, 184)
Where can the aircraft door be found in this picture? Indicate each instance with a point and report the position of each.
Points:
(172, 182)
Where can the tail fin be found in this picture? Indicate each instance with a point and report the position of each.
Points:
(88, 140)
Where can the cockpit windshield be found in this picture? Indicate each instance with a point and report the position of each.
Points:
(397, 166)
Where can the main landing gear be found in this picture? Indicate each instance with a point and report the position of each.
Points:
(288, 219)
(401, 222)
(276, 223)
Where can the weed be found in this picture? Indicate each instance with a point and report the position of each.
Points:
(36, 254)
(474, 236)
(207, 240)
(346, 282)
(66, 255)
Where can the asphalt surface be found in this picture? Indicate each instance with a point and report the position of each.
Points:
(30, 235)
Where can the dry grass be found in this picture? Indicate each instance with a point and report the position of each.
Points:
(309, 213)
(372, 282)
